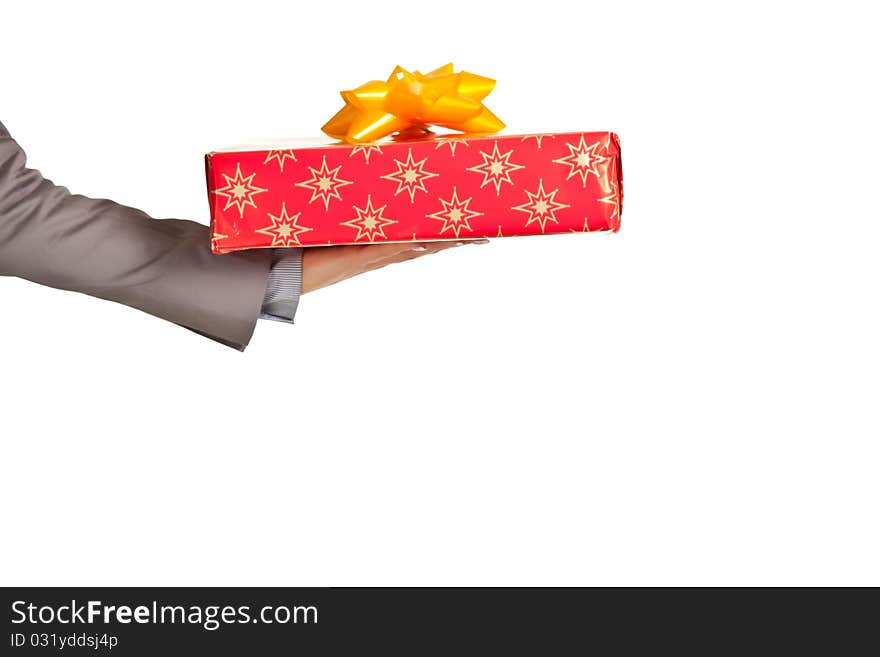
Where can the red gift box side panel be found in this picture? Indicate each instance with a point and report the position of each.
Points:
(449, 188)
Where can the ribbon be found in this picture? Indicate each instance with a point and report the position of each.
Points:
(410, 102)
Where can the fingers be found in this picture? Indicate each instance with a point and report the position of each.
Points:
(375, 252)
(381, 257)
(435, 247)
(415, 251)
(327, 265)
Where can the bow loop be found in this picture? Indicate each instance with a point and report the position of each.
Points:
(410, 101)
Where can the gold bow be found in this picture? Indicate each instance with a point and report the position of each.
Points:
(408, 102)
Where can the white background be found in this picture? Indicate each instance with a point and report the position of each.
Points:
(691, 401)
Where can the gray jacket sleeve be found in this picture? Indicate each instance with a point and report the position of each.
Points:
(98, 247)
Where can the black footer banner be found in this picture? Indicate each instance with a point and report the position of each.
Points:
(413, 621)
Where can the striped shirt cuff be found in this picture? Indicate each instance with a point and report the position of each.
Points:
(283, 286)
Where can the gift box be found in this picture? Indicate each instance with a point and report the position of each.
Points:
(435, 188)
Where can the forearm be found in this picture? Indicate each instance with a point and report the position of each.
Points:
(101, 248)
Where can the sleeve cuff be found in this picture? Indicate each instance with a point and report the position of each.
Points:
(283, 286)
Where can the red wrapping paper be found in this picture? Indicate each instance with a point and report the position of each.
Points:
(417, 190)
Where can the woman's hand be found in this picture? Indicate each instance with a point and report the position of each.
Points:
(325, 265)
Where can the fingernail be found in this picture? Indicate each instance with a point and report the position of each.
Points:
(419, 248)
(458, 244)
(480, 242)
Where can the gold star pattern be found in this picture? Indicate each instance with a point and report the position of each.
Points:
(612, 137)
(285, 230)
(239, 191)
(496, 168)
(369, 221)
(585, 229)
(541, 206)
(608, 142)
(613, 196)
(608, 179)
(452, 142)
(217, 237)
(280, 156)
(366, 149)
(410, 176)
(324, 183)
(455, 214)
(538, 138)
(583, 160)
